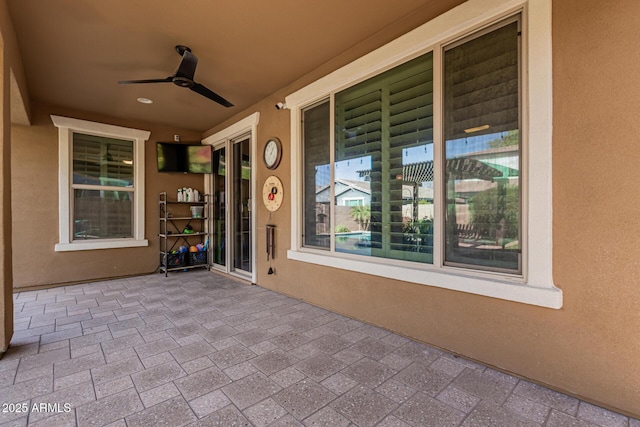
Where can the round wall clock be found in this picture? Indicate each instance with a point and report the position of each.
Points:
(272, 193)
(272, 153)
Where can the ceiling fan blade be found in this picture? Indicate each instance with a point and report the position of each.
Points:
(126, 82)
(198, 88)
(187, 67)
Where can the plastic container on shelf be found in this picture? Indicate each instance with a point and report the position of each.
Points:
(196, 211)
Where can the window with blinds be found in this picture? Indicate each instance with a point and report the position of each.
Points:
(378, 200)
(384, 135)
(316, 175)
(103, 187)
(482, 150)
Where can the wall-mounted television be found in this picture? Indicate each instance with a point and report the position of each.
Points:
(184, 158)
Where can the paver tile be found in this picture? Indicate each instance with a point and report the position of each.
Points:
(304, 398)
(264, 413)
(109, 409)
(201, 382)
(369, 372)
(157, 375)
(488, 385)
(273, 361)
(250, 390)
(488, 414)
(363, 406)
(173, 412)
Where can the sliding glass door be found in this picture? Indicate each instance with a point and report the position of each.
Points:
(232, 230)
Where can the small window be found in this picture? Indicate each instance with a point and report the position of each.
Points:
(101, 187)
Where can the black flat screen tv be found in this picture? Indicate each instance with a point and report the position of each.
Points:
(184, 158)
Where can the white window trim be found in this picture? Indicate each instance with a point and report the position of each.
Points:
(350, 199)
(536, 285)
(66, 127)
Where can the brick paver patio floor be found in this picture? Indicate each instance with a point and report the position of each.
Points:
(198, 348)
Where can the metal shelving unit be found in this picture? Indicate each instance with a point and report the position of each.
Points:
(173, 219)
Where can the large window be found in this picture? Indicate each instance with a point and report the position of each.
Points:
(101, 185)
(382, 191)
(427, 162)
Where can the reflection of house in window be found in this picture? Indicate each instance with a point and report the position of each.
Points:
(348, 194)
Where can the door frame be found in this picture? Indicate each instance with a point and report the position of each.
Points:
(246, 127)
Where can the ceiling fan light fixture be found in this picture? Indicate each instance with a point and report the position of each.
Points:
(144, 101)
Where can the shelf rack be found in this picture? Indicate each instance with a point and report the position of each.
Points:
(173, 219)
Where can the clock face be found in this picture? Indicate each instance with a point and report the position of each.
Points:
(272, 193)
(272, 153)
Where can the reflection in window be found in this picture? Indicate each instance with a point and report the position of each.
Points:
(317, 189)
(482, 151)
(102, 214)
(379, 187)
(384, 159)
(102, 161)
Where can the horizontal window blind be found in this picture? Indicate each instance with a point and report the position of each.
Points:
(383, 120)
(481, 83)
(316, 180)
(100, 163)
(482, 150)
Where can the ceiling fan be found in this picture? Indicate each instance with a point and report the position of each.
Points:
(183, 77)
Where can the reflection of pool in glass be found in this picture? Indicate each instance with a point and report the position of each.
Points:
(354, 242)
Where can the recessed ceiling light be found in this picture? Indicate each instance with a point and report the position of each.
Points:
(145, 101)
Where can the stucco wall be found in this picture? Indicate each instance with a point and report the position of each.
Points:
(590, 347)
(35, 205)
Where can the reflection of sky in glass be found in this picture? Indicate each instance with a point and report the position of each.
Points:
(323, 175)
(422, 153)
(471, 144)
(348, 169)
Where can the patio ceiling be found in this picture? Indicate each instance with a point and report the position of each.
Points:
(75, 51)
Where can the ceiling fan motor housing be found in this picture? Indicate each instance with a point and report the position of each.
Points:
(183, 81)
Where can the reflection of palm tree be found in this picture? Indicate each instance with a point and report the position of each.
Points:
(361, 215)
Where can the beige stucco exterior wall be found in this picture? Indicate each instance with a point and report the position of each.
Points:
(590, 347)
(6, 302)
(35, 197)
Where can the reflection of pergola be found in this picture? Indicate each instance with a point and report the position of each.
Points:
(461, 168)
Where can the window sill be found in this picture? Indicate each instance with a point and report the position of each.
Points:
(102, 244)
(489, 285)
